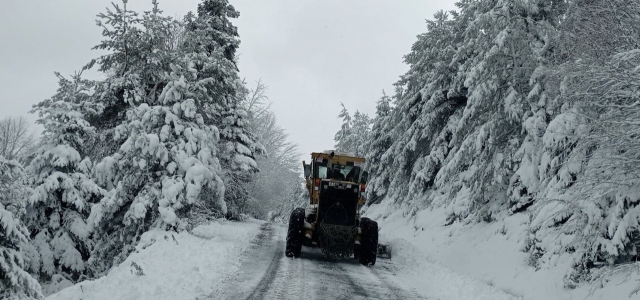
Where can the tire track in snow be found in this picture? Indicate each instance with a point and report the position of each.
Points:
(284, 279)
(270, 275)
(330, 279)
(375, 281)
(289, 281)
(267, 274)
(348, 279)
(382, 274)
(261, 255)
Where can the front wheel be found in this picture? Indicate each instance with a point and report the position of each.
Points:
(295, 234)
(368, 241)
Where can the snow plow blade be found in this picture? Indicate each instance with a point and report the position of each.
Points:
(384, 251)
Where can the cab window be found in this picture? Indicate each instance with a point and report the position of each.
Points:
(320, 170)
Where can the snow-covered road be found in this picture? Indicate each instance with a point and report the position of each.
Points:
(267, 274)
(245, 260)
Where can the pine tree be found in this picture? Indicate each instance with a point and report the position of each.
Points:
(177, 93)
(237, 154)
(512, 107)
(342, 137)
(212, 35)
(360, 133)
(63, 190)
(353, 136)
(589, 170)
(167, 163)
(428, 101)
(217, 15)
(380, 140)
(496, 103)
(15, 282)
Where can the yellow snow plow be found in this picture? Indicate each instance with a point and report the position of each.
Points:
(336, 184)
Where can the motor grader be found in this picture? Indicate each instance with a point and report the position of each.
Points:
(336, 184)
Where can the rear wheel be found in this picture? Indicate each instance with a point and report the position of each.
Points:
(368, 241)
(295, 234)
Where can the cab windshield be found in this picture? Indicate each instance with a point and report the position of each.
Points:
(338, 172)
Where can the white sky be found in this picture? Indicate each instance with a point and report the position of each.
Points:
(312, 55)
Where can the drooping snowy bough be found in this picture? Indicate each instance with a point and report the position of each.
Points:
(522, 107)
(15, 282)
(63, 190)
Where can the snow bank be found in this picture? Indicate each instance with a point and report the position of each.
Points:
(167, 265)
(486, 252)
(434, 280)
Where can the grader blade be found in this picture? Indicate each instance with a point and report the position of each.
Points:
(384, 251)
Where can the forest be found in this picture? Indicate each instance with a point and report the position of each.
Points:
(170, 138)
(519, 107)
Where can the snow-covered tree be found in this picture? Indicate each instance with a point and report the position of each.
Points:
(167, 159)
(354, 132)
(380, 140)
(166, 164)
(343, 135)
(63, 191)
(171, 105)
(14, 191)
(503, 48)
(591, 162)
(297, 196)
(360, 131)
(15, 282)
(428, 103)
(217, 15)
(211, 35)
(237, 154)
(522, 106)
(16, 140)
(279, 178)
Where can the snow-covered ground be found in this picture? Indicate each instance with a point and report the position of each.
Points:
(268, 274)
(224, 259)
(172, 266)
(229, 260)
(416, 271)
(490, 253)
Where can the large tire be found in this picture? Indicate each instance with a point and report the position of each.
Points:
(295, 234)
(368, 241)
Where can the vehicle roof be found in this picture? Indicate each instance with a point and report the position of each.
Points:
(337, 156)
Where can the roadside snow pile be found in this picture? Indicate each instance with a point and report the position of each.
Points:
(488, 252)
(167, 265)
(434, 280)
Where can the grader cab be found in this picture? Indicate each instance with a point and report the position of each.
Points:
(336, 184)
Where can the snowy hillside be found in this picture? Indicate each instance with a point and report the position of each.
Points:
(168, 137)
(223, 260)
(169, 265)
(490, 253)
(516, 119)
(244, 260)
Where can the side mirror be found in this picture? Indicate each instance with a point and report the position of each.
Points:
(364, 177)
(307, 170)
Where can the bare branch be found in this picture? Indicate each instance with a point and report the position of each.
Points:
(16, 137)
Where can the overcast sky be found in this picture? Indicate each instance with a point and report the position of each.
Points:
(312, 55)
